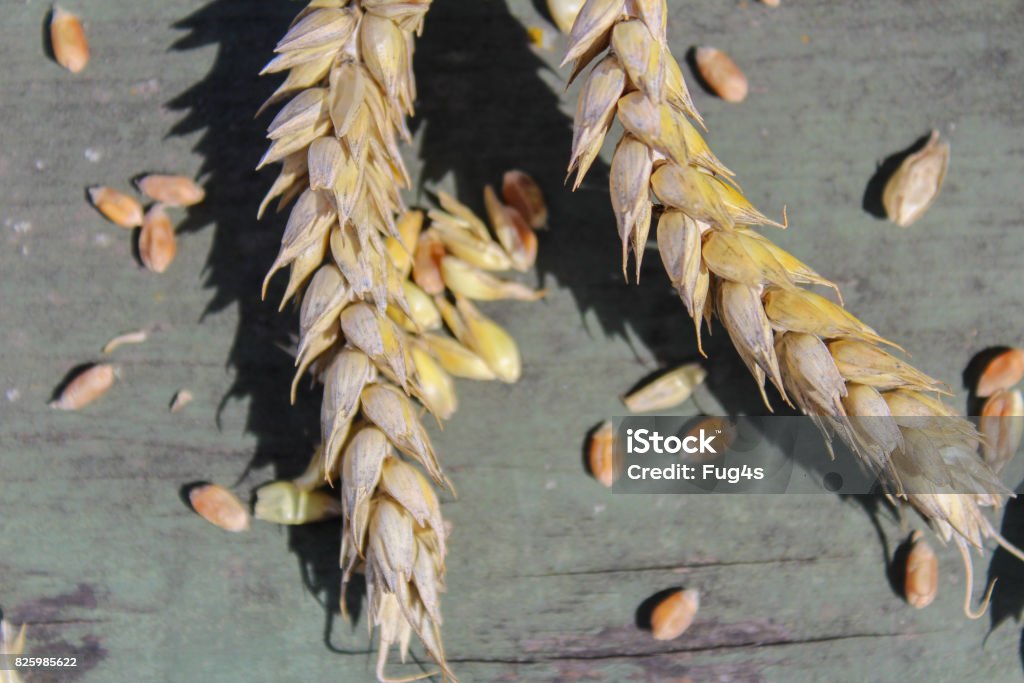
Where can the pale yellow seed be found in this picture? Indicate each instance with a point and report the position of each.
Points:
(771, 3)
(67, 38)
(86, 387)
(283, 502)
(219, 507)
(563, 13)
(136, 337)
(600, 454)
(181, 399)
(172, 190)
(674, 614)
(921, 582)
(721, 74)
(119, 208)
(916, 183)
(1002, 372)
(667, 390)
(157, 244)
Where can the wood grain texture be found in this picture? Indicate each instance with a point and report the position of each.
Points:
(101, 557)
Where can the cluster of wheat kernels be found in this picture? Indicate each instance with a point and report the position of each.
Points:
(818, 356)
(374, 293)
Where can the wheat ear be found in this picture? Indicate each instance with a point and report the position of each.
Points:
(821, 358)
(368, 331)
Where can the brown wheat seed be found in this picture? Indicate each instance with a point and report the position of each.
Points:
(674, 614)
(921, 581)
(219, 507)
(157, 244)
(120, 209)
(86, 387)
(1001, 373)
(67, 38)
(721, 73)
(171, 190)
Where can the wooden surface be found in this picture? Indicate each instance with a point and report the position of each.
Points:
(547, 569)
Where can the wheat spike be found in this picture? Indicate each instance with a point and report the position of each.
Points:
(819, 356)
(371, 287)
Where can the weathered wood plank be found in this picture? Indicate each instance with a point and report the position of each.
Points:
(547, 570)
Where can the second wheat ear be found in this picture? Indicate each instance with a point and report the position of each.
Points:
(820, 357)
(377, 289)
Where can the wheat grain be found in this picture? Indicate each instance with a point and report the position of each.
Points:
(171, 190)
(674, 614)
(86, 387)
(120, 209)
(157, 244)
(921, 579)
(818, 356)
(1001, 373)
(219, 507)
(67, 38)
(667, 390)
(721, 74)
(374, 289)
(916, 183)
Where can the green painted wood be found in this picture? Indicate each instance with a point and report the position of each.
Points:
(547, 569)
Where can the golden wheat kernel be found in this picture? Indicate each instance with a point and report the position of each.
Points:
(921, 581)
(120, 209)
(667, 390)
(67, 38)
(673, 615)
(600, 453)
(86, 387)
(1002, 372)
(522, 193)
(219, 507)
(282, 502)
(172, 190)
(157, 243)
(563, 13)
(916, 183)
(721, 74)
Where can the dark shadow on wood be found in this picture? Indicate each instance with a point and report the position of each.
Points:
(872, 200)
(222, 107)
(46, 41)
(1008, 595)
